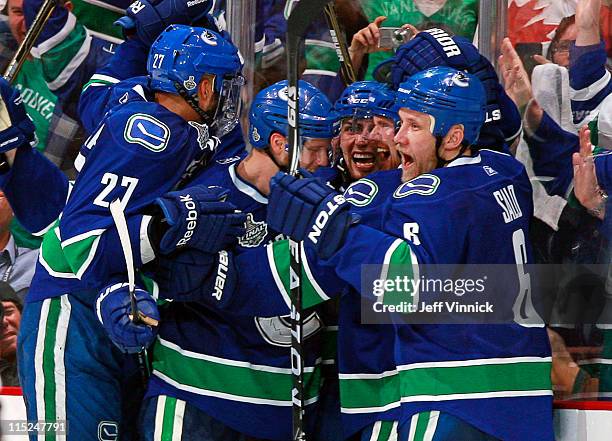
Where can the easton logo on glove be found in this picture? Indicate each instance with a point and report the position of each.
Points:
(323, 216)
(191, 218)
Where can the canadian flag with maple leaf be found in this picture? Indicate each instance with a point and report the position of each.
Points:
(534, 21)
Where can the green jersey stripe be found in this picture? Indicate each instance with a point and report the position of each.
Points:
(231, 379)
(168, 421)
(49, 360)
(52, 257)
(312, 293)
(80, 251)
(445, 383)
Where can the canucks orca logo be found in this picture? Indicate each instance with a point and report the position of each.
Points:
(108, 431)
(361, 193)
(255, 234)
(424, 185)
(277, 330)
(147, 131)
(209, 38)
(203, 135)
(458, 79)
(282, 94)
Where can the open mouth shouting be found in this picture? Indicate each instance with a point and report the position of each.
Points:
(363, 162)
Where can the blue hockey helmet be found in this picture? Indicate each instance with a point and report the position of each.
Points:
(449, 96)
(364, 99)
(269, 111)
(182, 54)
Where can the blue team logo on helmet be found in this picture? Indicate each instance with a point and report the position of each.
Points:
(182, 54)
(364, 99)
(449, 95)
(269, 114)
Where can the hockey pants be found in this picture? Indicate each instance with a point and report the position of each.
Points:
(69, 370)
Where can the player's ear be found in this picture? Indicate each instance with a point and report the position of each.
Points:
(453, 139)
(277, 143)
(206, 91)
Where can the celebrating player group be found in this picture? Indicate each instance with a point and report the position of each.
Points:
(161, 306)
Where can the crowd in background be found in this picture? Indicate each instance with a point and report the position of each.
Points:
(542, 70)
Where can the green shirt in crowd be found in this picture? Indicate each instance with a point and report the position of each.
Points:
(461, 16)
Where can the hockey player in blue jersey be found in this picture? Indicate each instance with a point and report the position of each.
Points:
(217, 375)
(367, 126)
(446, 382)
(139, 151)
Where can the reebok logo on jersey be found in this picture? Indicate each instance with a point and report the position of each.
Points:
(323, 217)
(221, 275)
(191, 219)
(448, 44)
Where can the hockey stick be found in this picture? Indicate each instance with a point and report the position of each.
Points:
(16, 63)
(136, 316)
(347, 71)
(300, 18)
(28, 42)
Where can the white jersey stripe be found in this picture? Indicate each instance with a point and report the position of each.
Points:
(60, 369)
(177, 427)
(39, 384)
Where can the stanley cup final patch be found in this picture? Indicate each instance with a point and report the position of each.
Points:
(255, 234)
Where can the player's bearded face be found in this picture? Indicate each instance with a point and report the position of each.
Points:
(358, 149)
(314, 154)
(386, 150)
(416, 144)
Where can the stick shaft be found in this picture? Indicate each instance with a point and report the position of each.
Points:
(347, 71)
(28, 42)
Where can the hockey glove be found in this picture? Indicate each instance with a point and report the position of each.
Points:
(308, 210)
(113, 309)
(150, 18)
(197, 217)
(434, 47)
(193, 276)
(16, 127)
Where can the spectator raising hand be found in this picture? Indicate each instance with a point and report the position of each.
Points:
(587, 22)
(366, 41)
(518, 86)
(586, 187)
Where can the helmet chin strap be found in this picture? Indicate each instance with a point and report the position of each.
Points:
(443, 162)
(283, 168)
(205, 116)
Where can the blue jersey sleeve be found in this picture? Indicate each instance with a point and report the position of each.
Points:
(136, 158)
(590, 81)
(36, 189)
(551, 150)
(603, 168)
(129, 60)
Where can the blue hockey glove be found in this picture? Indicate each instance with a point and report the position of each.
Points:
(434, 47)
(308, 210)
(150, 18)
(20, 130)
(113, 309)
(193, 276)
(197, 218)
